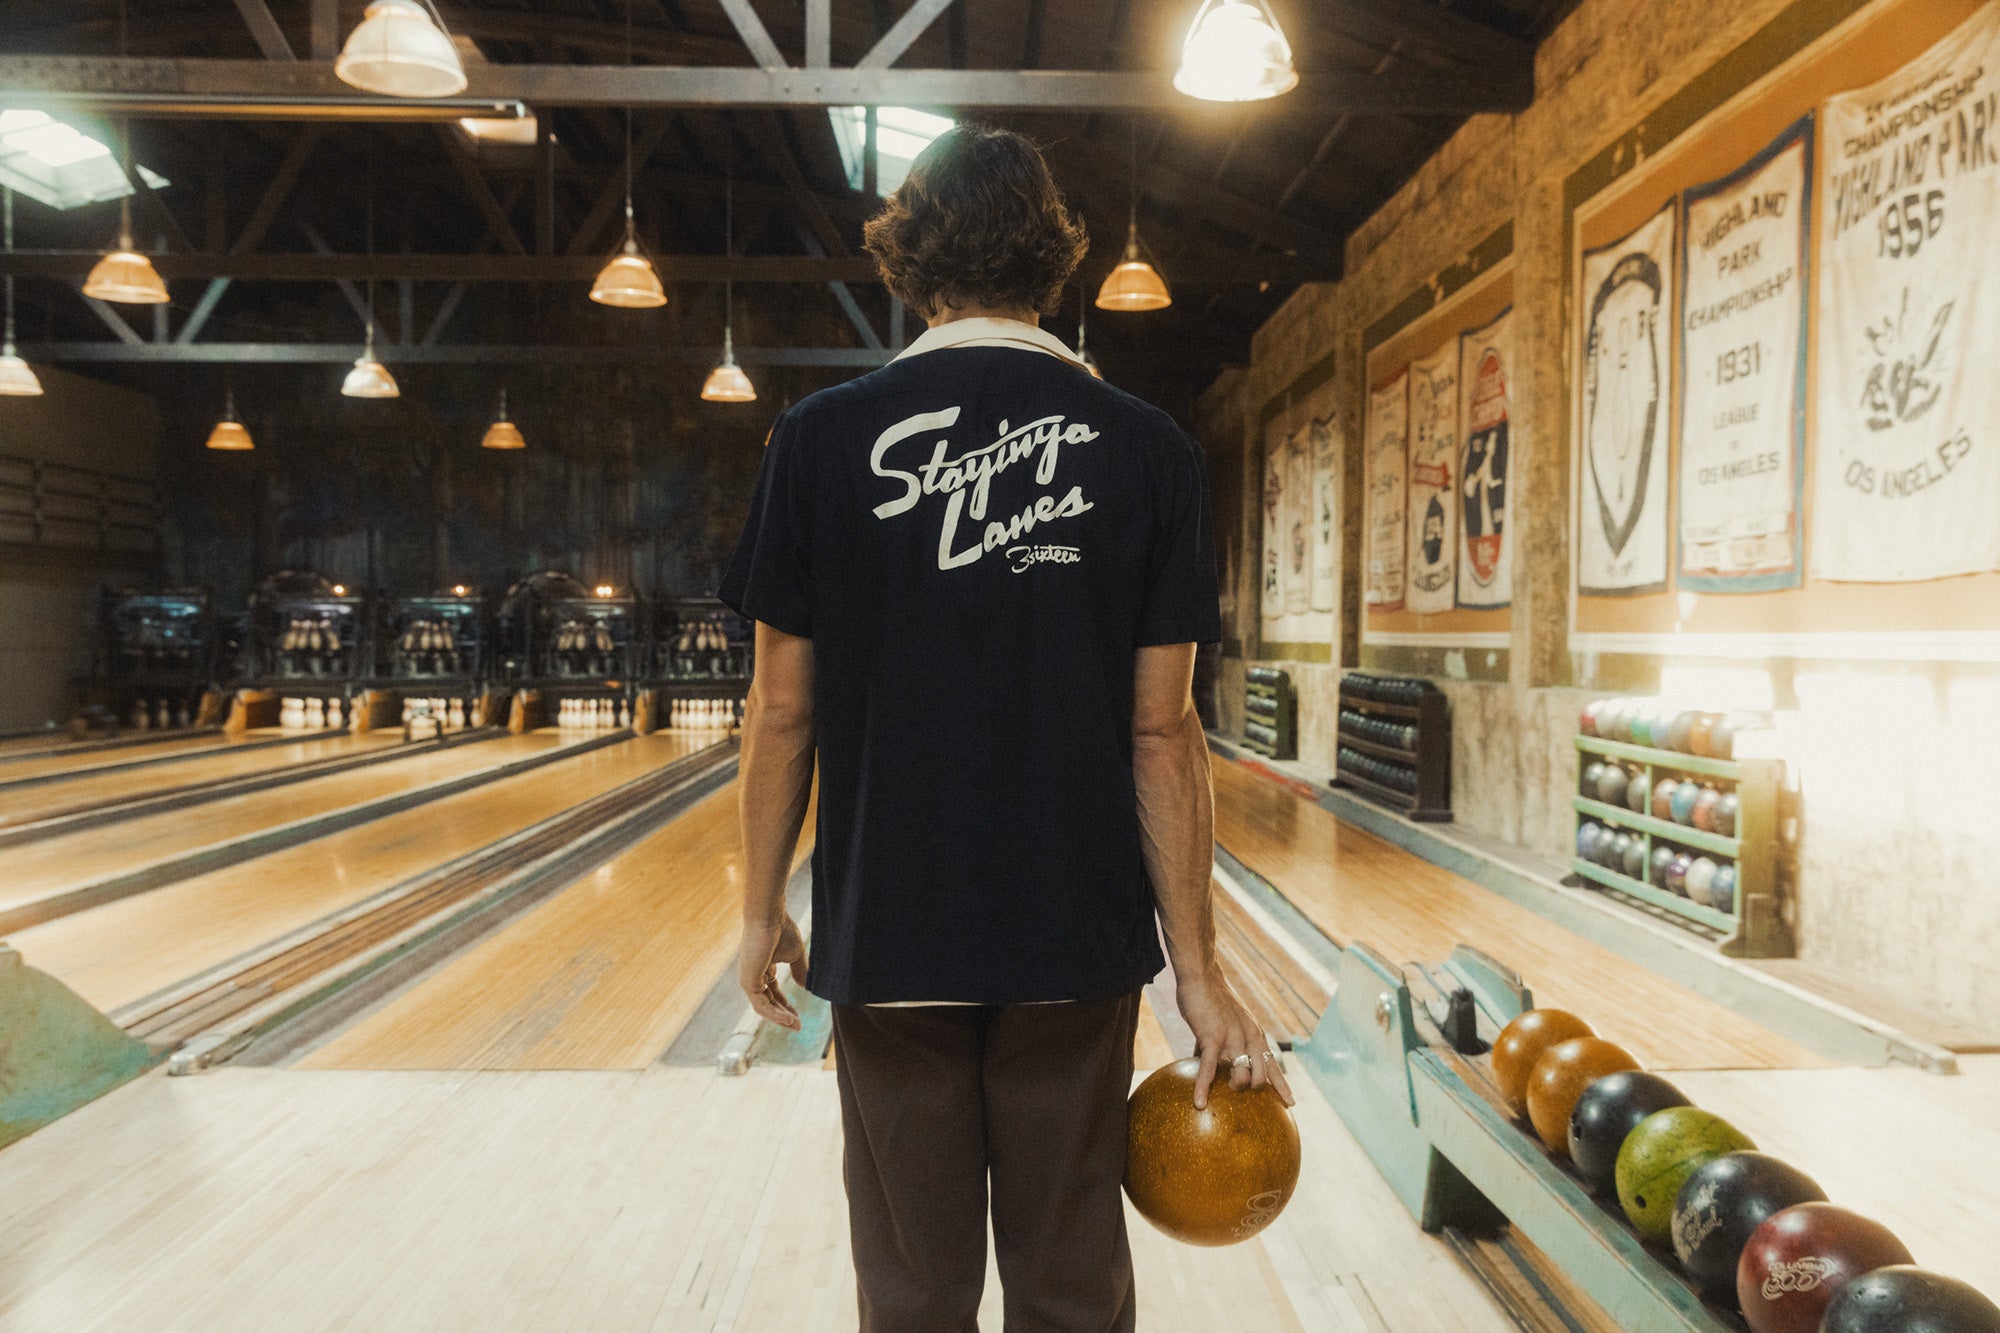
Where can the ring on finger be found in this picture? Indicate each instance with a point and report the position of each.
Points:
(1240, 1062)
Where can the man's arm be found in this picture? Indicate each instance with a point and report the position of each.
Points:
(774, 787)
(1177, 825)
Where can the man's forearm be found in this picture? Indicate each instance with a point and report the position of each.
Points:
(1177, 826)
(775, 785)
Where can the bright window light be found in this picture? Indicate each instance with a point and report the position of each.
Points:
(901, 133)
(60, 165)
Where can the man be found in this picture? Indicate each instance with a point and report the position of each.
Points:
(979, 577)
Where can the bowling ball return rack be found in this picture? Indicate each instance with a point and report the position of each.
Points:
(1401, 1055)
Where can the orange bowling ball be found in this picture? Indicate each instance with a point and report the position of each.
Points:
(1521, 1044)
(1560, 1077)
(1211, 1177)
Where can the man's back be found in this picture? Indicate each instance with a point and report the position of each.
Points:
(977, 538)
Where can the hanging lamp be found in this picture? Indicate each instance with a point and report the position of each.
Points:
(124, 275)
(627, 279)
(1235, 52)
(401, 50)
(502, 434)
(229, 433)
(727, 383)
(370, 378)
(17, 377)
(1134, 284)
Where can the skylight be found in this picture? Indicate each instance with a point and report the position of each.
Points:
(901, 133)
(59, 164)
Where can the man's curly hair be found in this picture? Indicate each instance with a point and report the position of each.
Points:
(978, 223)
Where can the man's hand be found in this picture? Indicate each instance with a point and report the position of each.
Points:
(765, 945)
(1224, 1030)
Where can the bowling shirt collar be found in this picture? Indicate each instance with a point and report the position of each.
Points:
(990, 333)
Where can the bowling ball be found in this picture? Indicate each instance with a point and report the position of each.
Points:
(1642, 722)
(1639, 791)
(1722, 893)
(1677, 873)
(1681, 803)
(1616, 721)
(1658, 1156)
(1587, 724)
(1701, 731)
(1726, 1200)
(1214, 1176)
(1679, 727)
(1611, 851)
(1663, 797)
(1611, 784)
(1633, 863)
(1663, 857)
(1608, 1110)
(1521, 1044)
(1703, 815)
(1903, 1299)
(1560, 1077)
(1725, 814)
(1797, 1260)
(1700, 878)
(1588, 835)
(1593, 773)
(1722, 738)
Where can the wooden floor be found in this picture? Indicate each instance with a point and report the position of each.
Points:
(48, 765)
(601, 976)
(124, 951)
(1356, 887)
(89, 787)
(58, 864)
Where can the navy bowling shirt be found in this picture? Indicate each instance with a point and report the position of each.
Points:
(977, 538)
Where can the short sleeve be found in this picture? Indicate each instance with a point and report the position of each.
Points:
(1182, 602)
(770, 576)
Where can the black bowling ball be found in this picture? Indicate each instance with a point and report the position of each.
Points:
(1906, 1299)
(1608, 1110)
(1723, 1202)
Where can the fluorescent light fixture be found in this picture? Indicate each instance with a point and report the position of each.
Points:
(59, 165)
(901, 132)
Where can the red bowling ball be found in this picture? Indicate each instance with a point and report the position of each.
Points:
(1797, 1261)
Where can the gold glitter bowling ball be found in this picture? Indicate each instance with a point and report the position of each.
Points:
(1215, 1176)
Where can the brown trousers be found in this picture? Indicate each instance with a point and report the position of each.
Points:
(937, 1102)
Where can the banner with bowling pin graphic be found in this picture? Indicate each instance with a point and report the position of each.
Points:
(1298, 519)
(1326, 464)
(1431, 527)
(1626, 325)
(1743, 371)
(1388, 459)
(1274, 546)
(1907, 459)
(1485, 552)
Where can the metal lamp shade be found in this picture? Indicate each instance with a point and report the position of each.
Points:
(1235, 52)
(127, 277)
(369, 379)
(17, 377)
(398, 51)
(628, 281)
(230, 435)
(503, 434)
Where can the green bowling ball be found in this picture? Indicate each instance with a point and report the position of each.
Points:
(1658, 1156)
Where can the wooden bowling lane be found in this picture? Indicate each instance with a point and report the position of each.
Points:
(59, 865)
(117, 954)
(88, 787)
(601, 976)
(60, 763)
(1356, 887)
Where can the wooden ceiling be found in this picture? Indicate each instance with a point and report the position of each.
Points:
(1237, 204)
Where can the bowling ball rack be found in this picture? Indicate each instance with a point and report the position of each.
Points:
(1401, 1054)
(1395, 744)
(1270, 713)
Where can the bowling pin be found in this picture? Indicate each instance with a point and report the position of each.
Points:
(457, 713)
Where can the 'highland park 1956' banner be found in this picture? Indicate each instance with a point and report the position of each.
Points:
(1388, 431)
(1743, 371)
(1433, 537)
(1627, 327)
(1485, 369)
(1325, 459)
(1907, 465)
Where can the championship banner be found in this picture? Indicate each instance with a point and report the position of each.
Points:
(1388, 430)
(1274, 555)
(1326, 459)
(1433, 535)
(1907, 460)
(1297, 518)
(1627, 325)
(1743, 370)
(1485, 556)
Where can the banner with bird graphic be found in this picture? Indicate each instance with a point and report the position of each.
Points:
(1485, 370)
(1907, 462)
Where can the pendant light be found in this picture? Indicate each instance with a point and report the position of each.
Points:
(400, 49)
(727, 383)
(1235, 52)
(370, 378)
(17, 378)
(502, 434)
(627, 279)
(125, 275)
(1134, 284)
(229, 433)
(1082, 351)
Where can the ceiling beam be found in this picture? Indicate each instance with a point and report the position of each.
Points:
(142, 87)
(819, 34)
(497, 222)
(264, 30)
(655, 45)
(1435, 29)
(323, 29)
(754, 34)
(903, 34)
(1192, 195)
(276, 189)
(637, 351)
